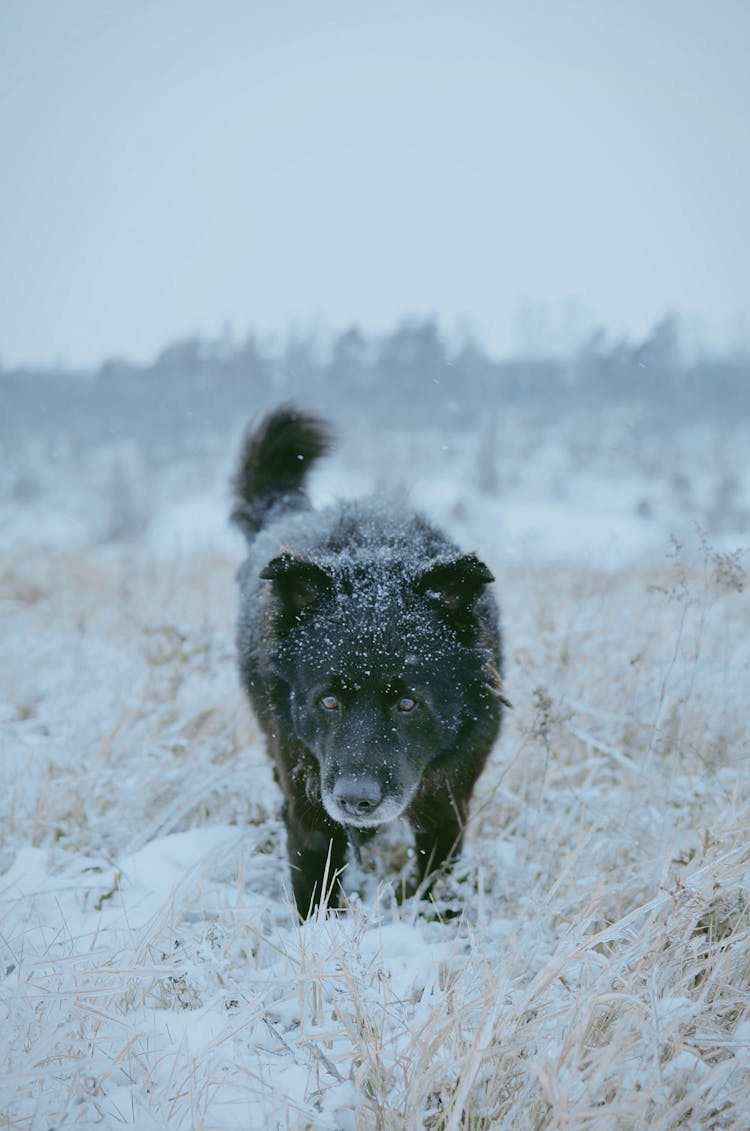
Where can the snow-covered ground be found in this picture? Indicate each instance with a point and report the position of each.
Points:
(586, 966)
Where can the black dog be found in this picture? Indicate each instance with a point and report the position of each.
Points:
(370, 649)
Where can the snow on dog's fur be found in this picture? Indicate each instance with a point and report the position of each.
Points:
(369, 645)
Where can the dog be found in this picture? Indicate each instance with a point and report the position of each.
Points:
(370, 648)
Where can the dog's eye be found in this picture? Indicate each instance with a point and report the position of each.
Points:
(405, 704)
(330, 703)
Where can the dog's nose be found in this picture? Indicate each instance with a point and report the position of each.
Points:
(357, 796)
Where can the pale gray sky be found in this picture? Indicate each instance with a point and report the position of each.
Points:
(172, 165)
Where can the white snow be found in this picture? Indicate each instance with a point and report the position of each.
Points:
(587, 964)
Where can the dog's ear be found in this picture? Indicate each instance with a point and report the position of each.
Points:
(455, 585)
(298, 583)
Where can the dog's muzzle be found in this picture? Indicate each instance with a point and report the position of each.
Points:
(359, 800)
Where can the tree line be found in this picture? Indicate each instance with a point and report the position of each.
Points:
(197, 389)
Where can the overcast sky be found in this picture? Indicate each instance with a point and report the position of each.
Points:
(171, 166)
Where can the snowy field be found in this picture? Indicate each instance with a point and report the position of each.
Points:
(586, 966)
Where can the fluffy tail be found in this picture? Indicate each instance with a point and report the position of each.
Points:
(274, 461)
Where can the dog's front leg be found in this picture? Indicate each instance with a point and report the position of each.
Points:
(317, 854)
(438, 836)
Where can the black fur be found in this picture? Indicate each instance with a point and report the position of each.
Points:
(370, 648)
(273, 465)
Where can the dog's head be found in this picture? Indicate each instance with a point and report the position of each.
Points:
(384, 670)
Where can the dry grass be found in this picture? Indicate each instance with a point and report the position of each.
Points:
(593, 973)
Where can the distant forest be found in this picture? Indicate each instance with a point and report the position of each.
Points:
(198, 389)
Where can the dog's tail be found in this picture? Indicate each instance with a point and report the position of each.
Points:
(275, 458)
